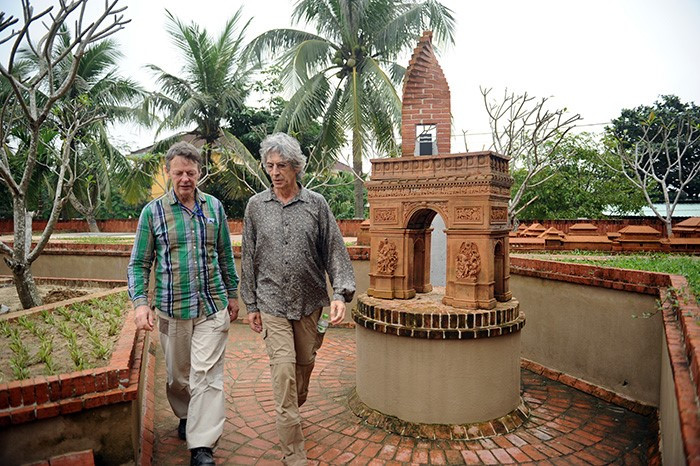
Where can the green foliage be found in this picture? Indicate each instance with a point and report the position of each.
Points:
(74, 337)
(581, 187)
(345, 74)
(212, 83)
(687, 266)
(338, 191)
(668, 111)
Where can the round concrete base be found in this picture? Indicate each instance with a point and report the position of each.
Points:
(426, 363)
(473, 431)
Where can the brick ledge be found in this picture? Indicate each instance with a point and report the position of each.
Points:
(45, 397)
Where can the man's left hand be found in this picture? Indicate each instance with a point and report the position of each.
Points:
(232, 309)
(337, 312)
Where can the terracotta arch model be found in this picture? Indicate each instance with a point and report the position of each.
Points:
(470, 191)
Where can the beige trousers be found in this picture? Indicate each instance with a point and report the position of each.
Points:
(291, 346)
(194, 359)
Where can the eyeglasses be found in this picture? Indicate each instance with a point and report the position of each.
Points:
(280, 166)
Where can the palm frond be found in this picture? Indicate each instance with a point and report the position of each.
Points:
(272, 42)
(306, 105)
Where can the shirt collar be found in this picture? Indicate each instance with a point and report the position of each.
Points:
(302, 195)
(199, 195)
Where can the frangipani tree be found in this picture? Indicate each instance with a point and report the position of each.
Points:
(33, 96)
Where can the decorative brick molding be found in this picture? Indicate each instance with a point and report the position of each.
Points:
(426, 317)
(474, 431)
(44, 397)
(426, 98)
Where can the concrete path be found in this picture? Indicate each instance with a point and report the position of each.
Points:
(566, 425)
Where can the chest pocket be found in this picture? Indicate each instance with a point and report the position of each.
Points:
(211, 227)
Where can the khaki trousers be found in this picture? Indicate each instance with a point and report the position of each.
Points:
(291, 346)
(194, 359)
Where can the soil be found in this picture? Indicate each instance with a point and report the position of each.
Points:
(49, 293)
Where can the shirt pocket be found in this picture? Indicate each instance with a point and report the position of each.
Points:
(211, 227)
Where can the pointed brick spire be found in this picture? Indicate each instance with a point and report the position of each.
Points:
(426, 98)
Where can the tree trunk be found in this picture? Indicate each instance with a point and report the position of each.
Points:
(92, 223)
(358, 184)
(27, 290)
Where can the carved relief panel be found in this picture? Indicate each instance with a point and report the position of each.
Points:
(385, 215)
(387, 257)
(469, 214)
(468, 262)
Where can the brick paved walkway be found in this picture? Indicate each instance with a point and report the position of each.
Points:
(566, 426)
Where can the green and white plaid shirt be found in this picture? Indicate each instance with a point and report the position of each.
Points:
(195, 272)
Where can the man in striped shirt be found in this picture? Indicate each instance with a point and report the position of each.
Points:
(195, 297)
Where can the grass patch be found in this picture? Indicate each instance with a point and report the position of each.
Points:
(71, 338)
(688, 266)
(96, 240)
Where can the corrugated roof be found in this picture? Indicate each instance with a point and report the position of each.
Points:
(681, 210)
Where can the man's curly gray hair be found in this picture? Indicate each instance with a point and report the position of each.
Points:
(288, 149)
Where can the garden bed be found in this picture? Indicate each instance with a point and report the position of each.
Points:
(64, 339)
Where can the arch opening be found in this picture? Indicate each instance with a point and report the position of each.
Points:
(499, 272)
(419, 229)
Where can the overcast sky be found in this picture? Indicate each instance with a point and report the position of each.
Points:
(594, 57)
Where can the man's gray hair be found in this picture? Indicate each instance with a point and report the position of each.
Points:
(183, 149)
(288, 149)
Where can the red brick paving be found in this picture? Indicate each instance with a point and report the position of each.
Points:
(566, 427)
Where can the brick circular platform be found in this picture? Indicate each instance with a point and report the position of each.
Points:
(424, 316)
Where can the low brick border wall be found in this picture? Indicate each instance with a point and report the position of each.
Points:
(681, 326)
(48, 396)
(348, 227)
(147, 436)
(124, 250)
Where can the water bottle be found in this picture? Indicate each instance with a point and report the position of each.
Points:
(322, 325)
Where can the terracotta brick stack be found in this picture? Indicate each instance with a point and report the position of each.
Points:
(426, 98)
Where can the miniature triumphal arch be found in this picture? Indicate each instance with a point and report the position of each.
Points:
(451, 359)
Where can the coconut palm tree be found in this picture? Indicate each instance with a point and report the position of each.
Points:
(214, 81)
(346, 73)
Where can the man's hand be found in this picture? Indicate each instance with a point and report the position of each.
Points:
(144, 318)
(337, 312)
(255, 321)
(232, 309)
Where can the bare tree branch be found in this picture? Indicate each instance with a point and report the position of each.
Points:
(32, 101)
(530, 134)
(640, 164)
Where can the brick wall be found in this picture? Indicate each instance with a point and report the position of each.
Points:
(426, 98)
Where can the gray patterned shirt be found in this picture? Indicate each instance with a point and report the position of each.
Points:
(287, 251)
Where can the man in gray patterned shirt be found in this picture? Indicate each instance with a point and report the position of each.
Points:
(290, 241)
